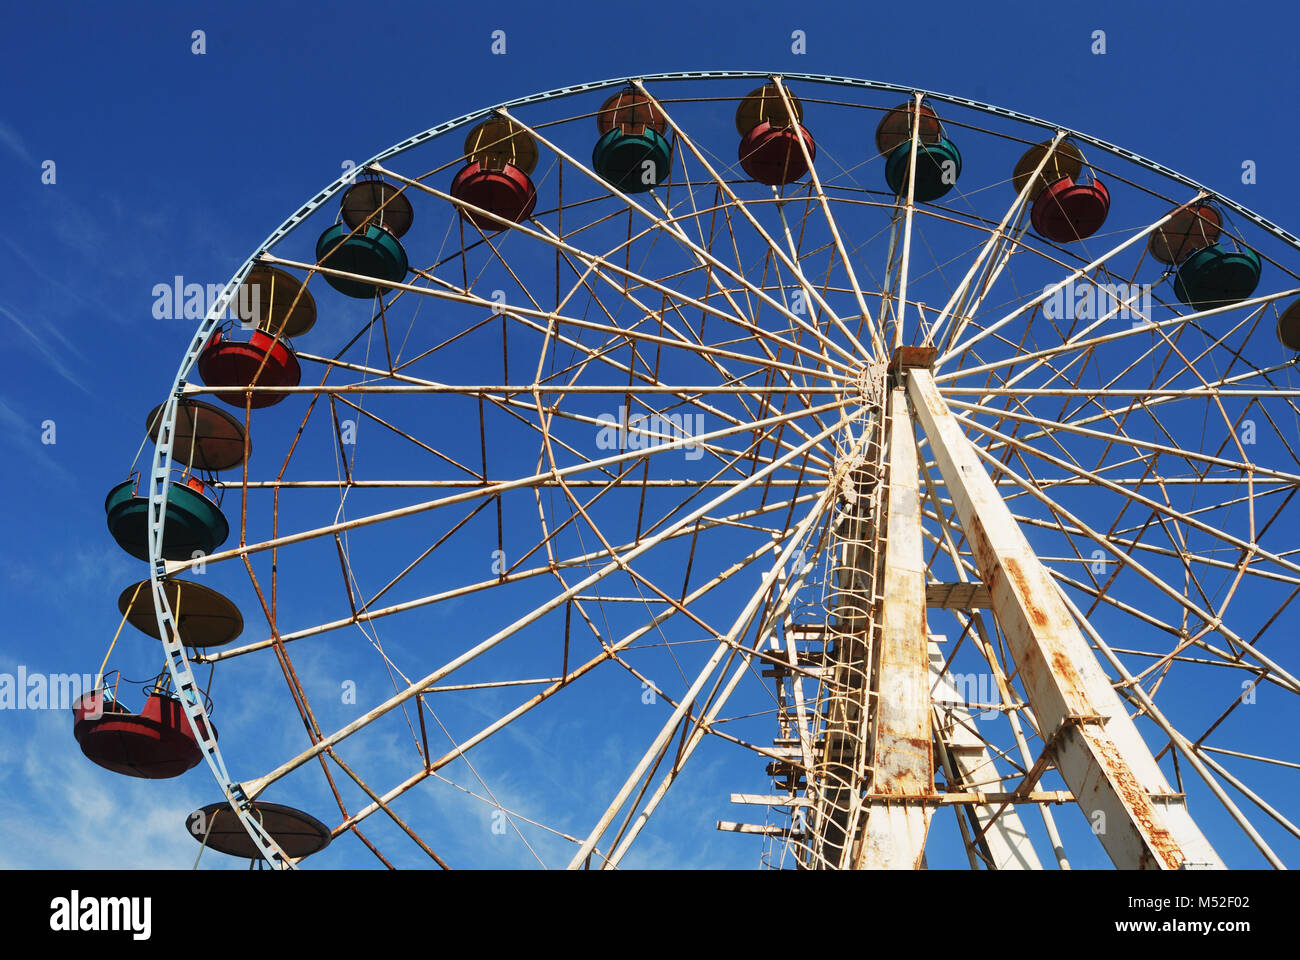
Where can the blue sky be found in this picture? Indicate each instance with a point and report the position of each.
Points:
(168, 163)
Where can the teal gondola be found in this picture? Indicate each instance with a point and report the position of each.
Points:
(632, 162)
(1217, 276)
(370, 252)
(938, 165)
(194, 524)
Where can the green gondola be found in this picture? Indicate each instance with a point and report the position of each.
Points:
(1217, 276)
(371, 252)
(938, 165)
(194, 523)
(632, 162)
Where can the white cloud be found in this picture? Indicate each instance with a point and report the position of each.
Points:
(14, 143)
(60, 811)
(53, 356)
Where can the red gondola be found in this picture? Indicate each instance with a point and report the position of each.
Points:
(507, 192)
(767, 120)
(1070, 210)
(772, 155)
(155, 744)
(262, 361)
(500, 154)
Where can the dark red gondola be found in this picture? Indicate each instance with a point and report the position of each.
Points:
(772, 155)
(507, 192)
(260, 361)
(155, 744)
(770, 131)
(500, 154)
(1070, 210)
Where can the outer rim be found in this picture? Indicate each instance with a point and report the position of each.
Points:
(178, 664)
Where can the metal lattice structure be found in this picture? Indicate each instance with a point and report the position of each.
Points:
(819, 452)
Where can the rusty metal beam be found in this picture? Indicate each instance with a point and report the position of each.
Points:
(1097, 748)
(894, 829)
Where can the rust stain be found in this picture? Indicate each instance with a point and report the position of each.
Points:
(1160, 847)
(986, 561)
(911, 772)
(1037, 615)
(1158, 838)
(905, 357)
(1070, 683)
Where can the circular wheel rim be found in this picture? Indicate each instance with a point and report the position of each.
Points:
(178, 662)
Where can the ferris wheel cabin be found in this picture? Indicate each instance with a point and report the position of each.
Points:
(770, 132)
(938, 161)
(205, 439)
(631, 154)
(500, 156)
(155, 744)
(297, 833)
(283, 309)
(366, 241)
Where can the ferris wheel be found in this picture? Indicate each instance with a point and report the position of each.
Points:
(921, 469)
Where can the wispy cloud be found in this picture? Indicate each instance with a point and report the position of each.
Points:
(58, 810)
(54, 357)
(66, 292)
(14, 143)
(21, 432)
